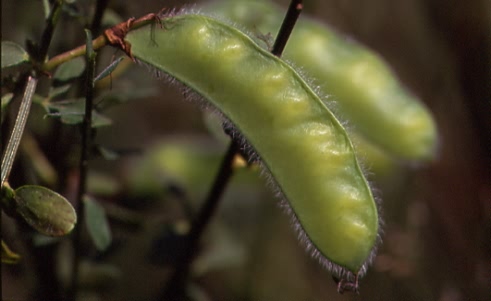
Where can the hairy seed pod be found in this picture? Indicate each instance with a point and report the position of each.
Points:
(366, 90)
(298, 140)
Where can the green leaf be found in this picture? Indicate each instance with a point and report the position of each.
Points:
(97, 224)
(6, 100)
(106, 153)
(72, 111)
(102, 184)
(40, 164)
(122, 95)
(57, 91)
(40, 100)
(190, 165)
(47, 8)
(8, 256)
(107, 71)
(13, 54)
(70, 70)
(40, 240)
(45, 210)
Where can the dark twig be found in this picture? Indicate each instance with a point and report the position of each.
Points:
(101, 6)
(286, 28)
(48, 31)
(175, 287)
(84, 162)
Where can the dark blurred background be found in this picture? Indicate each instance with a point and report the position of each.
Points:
(437, 241)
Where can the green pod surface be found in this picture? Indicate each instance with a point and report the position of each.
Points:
(366, 90)
(299, 141)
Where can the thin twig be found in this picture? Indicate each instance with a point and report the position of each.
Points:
(175, 287)
(99, 13)
(47, 36)
(20, 124)
(118, 31)
(97, 43)
(84, 162)
(286, 28)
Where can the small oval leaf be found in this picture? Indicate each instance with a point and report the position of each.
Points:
(13, 54)
(97, 224)
(45, 210)
(70, 70)
(57, 91)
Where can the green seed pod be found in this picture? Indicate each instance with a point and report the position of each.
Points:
(283, 121)
(365, 88)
